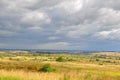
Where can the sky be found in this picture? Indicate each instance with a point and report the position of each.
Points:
(60, 24)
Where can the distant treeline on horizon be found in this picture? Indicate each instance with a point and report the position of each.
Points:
(58, 51)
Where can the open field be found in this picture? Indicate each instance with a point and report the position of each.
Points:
(25, 65)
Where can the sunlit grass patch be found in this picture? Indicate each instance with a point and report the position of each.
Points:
(5, 77)
(103, 73)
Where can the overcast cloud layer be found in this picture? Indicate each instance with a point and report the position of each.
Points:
(60, 24)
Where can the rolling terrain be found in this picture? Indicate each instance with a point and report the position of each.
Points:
(31, 65)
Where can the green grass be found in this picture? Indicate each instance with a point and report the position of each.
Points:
(3, 77)
(47, 68)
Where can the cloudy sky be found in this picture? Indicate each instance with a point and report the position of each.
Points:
(60, 24)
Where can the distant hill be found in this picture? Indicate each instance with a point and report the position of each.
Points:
(108, 53)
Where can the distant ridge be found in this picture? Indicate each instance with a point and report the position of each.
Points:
(58, 51)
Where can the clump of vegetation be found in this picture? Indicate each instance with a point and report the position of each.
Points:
(60, 59)
(66, 77)
(77, 66)
(97, 60)
(100, 64)
(47, 68)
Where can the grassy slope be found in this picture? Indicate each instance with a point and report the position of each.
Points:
(76, 67)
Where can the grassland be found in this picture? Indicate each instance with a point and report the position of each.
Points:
(26, 65)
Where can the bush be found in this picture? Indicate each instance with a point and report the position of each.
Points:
(100, 64)
(47, 68)
(60, 59)
(97, 60)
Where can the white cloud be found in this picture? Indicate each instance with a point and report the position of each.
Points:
(35, 28)
(20, 3)
(53, 45)
(36, 17)
(78, 31)
(53, 37)
(111, 34)
(70, 6)
(109, 16)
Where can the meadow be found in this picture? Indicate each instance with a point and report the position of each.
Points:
(30, 65)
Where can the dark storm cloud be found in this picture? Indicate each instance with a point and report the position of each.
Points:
(63, 24)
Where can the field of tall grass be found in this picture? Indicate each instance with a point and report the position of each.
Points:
(38, 66)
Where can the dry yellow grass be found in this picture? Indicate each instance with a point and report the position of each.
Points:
(1, 52)
(108, 53)
(70, 71)
(56, 76)
(27, 67)
(30, 75)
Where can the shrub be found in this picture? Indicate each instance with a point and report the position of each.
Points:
(71, 60)
(100, 64)
(97, 60)
(60, 59)
(108, 61)
(47, 68)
